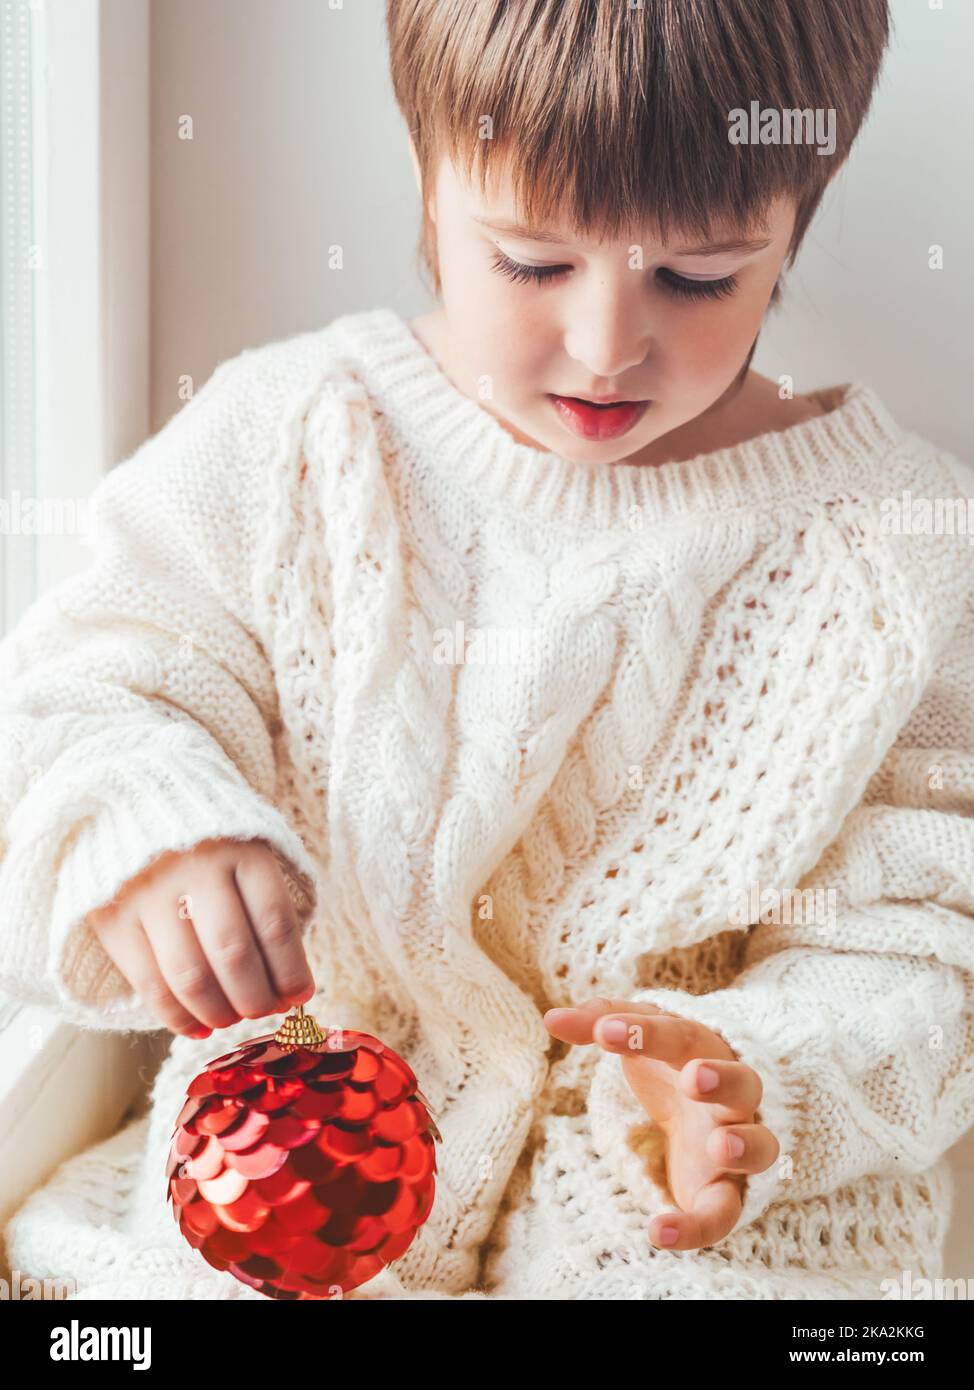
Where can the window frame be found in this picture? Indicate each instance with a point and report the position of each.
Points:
(76, 330)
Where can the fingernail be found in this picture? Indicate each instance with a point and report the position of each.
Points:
(735, 1145)
(201, 1033)
(669, 1235)
(612, 1031)
(707, 1079)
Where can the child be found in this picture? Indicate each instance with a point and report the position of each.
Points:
(511, 717)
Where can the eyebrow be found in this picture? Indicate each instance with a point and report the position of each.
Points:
(714, 248)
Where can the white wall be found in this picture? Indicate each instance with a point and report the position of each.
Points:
(298, 145)
(861, 302)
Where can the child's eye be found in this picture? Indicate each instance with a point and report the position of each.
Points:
(697, 289)
(675, 284)
(514, 270)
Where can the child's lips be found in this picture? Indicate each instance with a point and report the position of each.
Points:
(590, 421)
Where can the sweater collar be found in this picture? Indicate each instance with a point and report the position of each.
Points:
(841, 449)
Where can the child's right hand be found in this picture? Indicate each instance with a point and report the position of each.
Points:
(208, 937)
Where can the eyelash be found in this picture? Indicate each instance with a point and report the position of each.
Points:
(675, 284)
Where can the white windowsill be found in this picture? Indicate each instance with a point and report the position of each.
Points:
(62, 1089)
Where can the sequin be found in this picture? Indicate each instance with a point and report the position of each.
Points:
(343, 1144)
(261, 1162)
(246, 1134)
(396, 1124)
(226, 1188)
(247, 1213)
(221, 1116)
(206, 1164)
(291, 1131)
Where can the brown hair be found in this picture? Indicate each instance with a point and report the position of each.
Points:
(616, 112)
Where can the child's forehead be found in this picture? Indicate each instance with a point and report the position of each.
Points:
(495, 209)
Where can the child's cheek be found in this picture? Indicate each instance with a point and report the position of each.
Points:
(509, 356)
(711, 345)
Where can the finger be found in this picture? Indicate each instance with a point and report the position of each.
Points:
(576, 1024)
(274, 924)
(663, 1036)
(230, 946)
(715, 1212)
(126, 942)
(757, 1149)
(738, 1086)
(183, 965)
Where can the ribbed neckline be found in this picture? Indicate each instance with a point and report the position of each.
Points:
(471, 448)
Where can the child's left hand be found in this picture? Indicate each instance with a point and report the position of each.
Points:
(663, 1056)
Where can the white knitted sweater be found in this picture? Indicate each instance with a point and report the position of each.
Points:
(730, 679)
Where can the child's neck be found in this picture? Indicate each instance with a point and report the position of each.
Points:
(744, 412)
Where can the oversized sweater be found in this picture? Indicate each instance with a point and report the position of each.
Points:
(523, 731)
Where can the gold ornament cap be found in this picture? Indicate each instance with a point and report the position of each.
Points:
(299, 1030)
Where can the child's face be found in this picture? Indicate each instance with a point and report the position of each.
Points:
(605, 325)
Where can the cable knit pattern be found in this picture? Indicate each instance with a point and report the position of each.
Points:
(723, 676)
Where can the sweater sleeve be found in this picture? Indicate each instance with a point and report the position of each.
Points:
(856, 1006)
(136, 703)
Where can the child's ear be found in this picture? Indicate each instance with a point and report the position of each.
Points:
(419, 178)
(413, 156)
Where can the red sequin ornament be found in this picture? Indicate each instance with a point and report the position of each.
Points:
(303, 1163)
